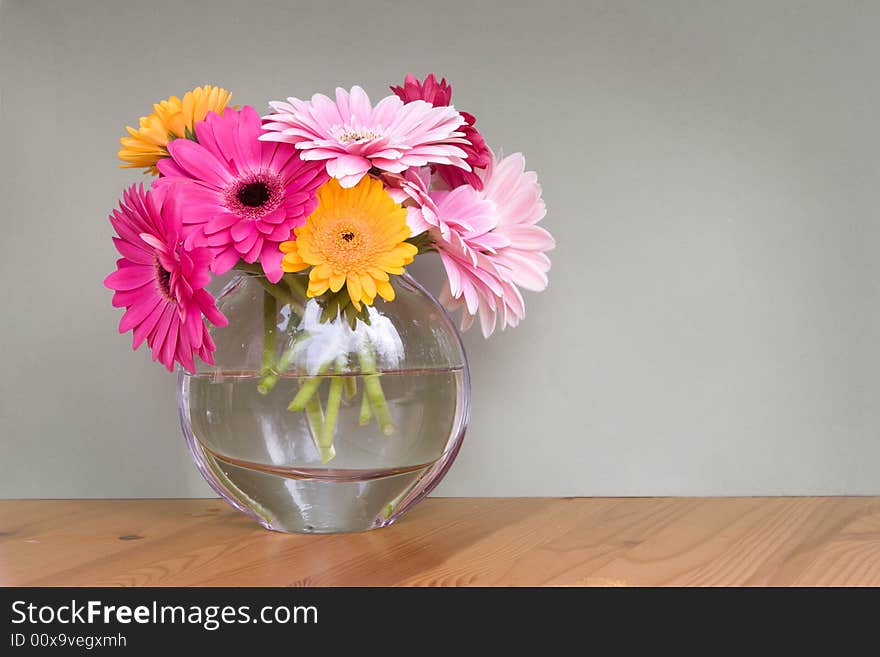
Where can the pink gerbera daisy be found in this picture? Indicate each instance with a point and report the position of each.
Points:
(462, 211)
(439, 94)
(488, 240)
(411, 188)
(353, 136)
(243, 196)
(161, 284)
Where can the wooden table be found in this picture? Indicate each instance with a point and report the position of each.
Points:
(481, 542)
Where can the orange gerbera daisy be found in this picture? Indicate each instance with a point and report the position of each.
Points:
(172, 118)
(355, 237)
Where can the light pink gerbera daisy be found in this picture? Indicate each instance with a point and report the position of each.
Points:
(243, 196)
(488, 240)
(353, 136)
(461, 212)
(477, 153)
(411, 188)
(161, 284)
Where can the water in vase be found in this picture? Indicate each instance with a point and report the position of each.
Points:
(264, 458)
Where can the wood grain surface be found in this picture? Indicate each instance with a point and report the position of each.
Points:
(451, 542)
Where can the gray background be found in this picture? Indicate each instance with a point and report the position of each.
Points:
(711, 172)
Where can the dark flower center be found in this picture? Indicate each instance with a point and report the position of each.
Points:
(254, 194)
(348, 236)
(163, 277)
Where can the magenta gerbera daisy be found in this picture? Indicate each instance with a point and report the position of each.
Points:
(429, 90)
(159, 282)
(477, 153)
(243, 196)
(353, 136)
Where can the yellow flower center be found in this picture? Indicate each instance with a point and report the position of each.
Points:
(346, 244)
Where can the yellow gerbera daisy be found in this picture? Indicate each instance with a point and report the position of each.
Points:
(355, 237)
(171, 118)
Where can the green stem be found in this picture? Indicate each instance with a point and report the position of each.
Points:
(373, 390)
(315, 418)
(366, 414)
(271, 377)
(281, 295)
(351, 387)
(246, 500)
(251, 268)
(284, 296)
(389, 508)
(307, 390)
(334, 399)
(297, 286)
(270, 313)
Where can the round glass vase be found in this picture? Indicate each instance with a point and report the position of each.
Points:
(316, 420)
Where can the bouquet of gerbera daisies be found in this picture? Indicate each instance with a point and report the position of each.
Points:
(327, 197)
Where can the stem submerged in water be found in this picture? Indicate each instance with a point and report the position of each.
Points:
(366, 414)
(315, 418)
(334, 399)
(351, 387)
(373, 391)
(271, 378)
(322, 419)
(307, 390)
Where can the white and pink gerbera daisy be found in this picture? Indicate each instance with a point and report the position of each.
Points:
(488, 240)
(352, 136)
(161, 284)
(243, 196)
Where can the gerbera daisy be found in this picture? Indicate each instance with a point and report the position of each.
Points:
(429, 90)
(489, 243)
(161, 284)
(462, 210)
(353, 136)
(355, 237)
(462, 224)
(243, 196)
(172, 118)
(439, 94)
(411, 189)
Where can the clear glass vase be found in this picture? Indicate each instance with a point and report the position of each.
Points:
(317, 420)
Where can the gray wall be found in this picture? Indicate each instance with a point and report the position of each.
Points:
(711, 172)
